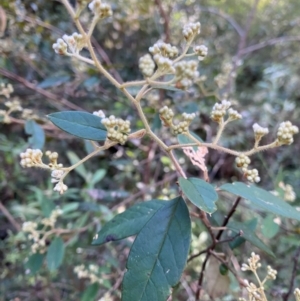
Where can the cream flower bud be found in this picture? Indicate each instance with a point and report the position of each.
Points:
(201, 51)
(259, 131)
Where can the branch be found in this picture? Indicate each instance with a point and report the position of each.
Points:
(269, 43)
(166, 19)
(10, 217)
(57, 101)
(294, 275)
(228, 18)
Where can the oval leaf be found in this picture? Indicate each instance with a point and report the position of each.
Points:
(158, 254)
(35, 262)
(262, 199)
(37, 139)
(128, 223)
(249, 235)
(55, 254)
(80, 124)
(90, 294)
(200, 193)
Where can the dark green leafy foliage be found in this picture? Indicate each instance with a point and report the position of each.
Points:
(262, 199)
(128, 223)
(80, 124)
(37, 139)
(200, 193)
(55, 254)
(158, 254)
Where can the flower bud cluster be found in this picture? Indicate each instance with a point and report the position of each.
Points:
(29, 114)
(6, 90)
(166, 115)
(147, 65)
(297, 294)
(164, 63)
(259, 131)
(289, 194)
(99, 9)
(74, 43)
(91, 273)
(57, 175)
(60, 47)
(285, 132)
(219, 110)
(201, 51)
(164, 49)
(190, 30)
(99, 113)
(222, 78)
(51, 220)
(34, 234)
(53, 156)
(252, 175)
(242, 162)
(253, 263)
(234, 115)
(186, 73)
(13, 105)
(117, 129)
(31, 158)
(271, 274)
(183, 126)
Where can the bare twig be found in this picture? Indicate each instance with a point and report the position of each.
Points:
(10, 217)
(228, 18)
(56, 100)
(165, 15)
(294, 274)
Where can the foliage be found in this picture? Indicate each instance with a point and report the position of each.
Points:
(142, 191)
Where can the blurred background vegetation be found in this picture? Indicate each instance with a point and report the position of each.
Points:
(254, 47)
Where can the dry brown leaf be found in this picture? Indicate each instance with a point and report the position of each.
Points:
(197, 157)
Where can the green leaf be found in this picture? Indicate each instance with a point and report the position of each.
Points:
(200, 193)
(55, 254)
(73, 158)
(184, 139)
(97, 177)
(269, 228)
(35, 262)
(128, 223)
(53, 81)
(165, 87)
(37, 139)
(70, 207)
(251, 225)
(90, 293)
(263, 199)
(249, 235)
(80, 124)
(158, 254)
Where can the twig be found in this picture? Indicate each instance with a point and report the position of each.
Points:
(166, 19)
(294, 274)
(57, 101)
(10, 217)
(269, 42)
(240, 280)
(228, 18)
(229, 215)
